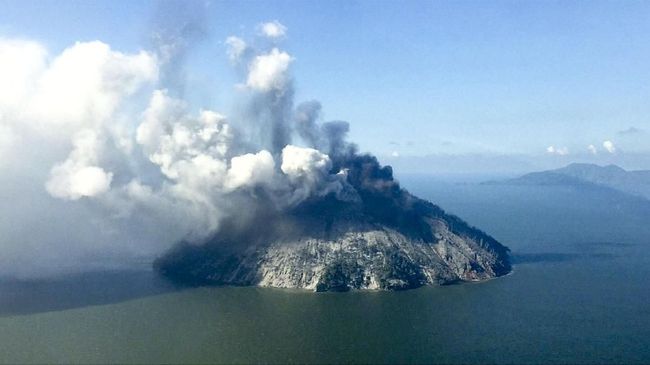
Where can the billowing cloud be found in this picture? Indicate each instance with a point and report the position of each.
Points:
(86, 83)
(250, 169)
(159, 117)
(273, 29)
(269, 71)
(63, 125)
(74, 98)
(21, 64)
(74, 128)
(81, 87)
(78, 175)
(305, 163)
(609, 146)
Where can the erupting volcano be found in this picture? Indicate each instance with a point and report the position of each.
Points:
(303, 209)
(377, 236)
(272, 194)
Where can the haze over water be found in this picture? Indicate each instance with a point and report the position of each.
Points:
(578, 294)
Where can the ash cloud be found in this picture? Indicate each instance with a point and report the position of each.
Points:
(93, 175)
(178, 27)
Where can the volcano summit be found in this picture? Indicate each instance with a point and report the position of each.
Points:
(378, 237)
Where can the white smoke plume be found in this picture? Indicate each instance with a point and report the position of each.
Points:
(268, 72)
(78, 175)
(101, 163)
(273, 29)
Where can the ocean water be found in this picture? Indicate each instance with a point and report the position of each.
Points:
(579, 293)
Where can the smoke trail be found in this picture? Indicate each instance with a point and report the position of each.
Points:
(178, 27)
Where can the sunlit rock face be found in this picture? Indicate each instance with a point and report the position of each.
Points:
(378, 237)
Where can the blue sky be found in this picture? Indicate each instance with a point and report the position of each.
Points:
(418, 77)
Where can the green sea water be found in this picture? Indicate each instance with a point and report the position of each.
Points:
(579, 293)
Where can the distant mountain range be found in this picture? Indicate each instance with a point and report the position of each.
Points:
(610, 176)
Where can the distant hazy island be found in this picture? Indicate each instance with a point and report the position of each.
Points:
(581, 174)
(378, 237)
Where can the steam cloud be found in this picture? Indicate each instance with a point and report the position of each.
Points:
(101, 161)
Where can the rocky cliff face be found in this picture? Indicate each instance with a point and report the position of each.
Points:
(376, 258)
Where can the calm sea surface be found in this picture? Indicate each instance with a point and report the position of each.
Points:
(579, 293)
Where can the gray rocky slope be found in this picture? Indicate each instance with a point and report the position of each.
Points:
(384, 239)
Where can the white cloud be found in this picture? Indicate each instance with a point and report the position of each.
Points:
(560, 151)
(78, 175)
(250, 169)
(395, 154)
(308, 171)
(77, 95)
(191, 152)
(269, 71)
(84, 85)
(21, 63)
(609, 146)
(592, 149)
(273, 30)
(304, 163)
(159, 117)
(73, 182)
(236, 48)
